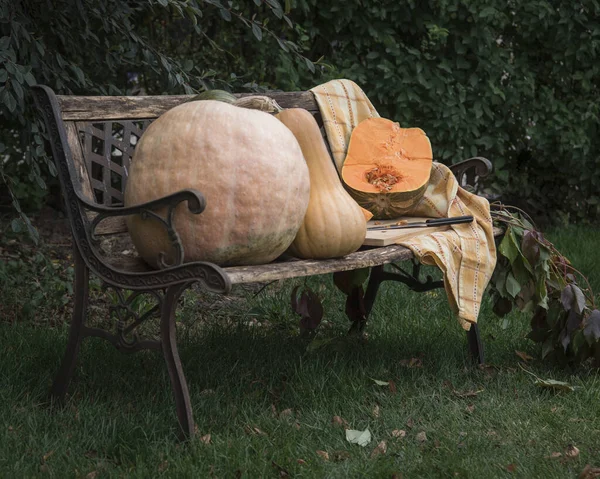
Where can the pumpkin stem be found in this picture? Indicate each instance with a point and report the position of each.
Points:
(383, 177)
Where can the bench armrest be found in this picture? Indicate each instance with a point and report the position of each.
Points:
(212, 277)
(195, 199)
(478, 165)
(196, 204)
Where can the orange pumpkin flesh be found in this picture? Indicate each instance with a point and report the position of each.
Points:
(387, 168)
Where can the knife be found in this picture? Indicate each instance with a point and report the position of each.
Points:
(424, 224)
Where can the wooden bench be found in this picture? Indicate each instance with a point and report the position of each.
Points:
(92, 140)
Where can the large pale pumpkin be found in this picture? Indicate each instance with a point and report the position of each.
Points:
(247, 164)
(387, 168)
(334, 224)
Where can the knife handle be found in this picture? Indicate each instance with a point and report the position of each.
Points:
(449, 221)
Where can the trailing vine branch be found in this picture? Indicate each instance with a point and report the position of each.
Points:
(534, 276)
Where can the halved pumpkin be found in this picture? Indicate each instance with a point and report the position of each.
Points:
(387, 168)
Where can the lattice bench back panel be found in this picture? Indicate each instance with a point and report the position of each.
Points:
(107, 149)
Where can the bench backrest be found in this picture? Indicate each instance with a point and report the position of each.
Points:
(93, 139)
(102, 133)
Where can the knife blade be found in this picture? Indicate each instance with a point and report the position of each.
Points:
(424, 224)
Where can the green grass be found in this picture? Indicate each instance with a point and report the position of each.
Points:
(245, 364)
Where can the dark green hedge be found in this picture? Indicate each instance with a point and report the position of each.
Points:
(517, 82)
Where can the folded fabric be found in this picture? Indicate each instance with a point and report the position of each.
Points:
(343, 105)
(466, 253)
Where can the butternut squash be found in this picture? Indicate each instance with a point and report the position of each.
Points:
(334, 224)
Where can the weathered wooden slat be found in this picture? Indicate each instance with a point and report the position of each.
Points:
(294, 269)
(78, 159)
(284, 269)
(99, 108)
(111, 225)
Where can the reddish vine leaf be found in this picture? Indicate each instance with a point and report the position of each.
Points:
(592, 326)
(565, 339)
(573, 321)
(355, 305)
(309, 307)
(572, 297)
(530, 246)
(347, 281)
(502, 307)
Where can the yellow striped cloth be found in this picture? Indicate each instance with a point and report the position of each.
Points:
(466, 253)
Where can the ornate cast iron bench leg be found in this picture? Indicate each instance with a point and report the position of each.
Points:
(475, 344)
(65, 373)
(174, 367)
(378, 275)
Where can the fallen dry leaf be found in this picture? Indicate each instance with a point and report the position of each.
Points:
(301, 461)
(392, 387)
(163, 466)
(554, 409)
(467, 394)
(339, 421)
(10, 429)
(511, 468)
(410, 423)
(555, 385)
(282, 471)
(362, 438)
(92, 475)
(339, 456)
(399, 433)
(571, 451)
(254, 431)
(286, 412)
(421, 436)
(524, 356)
(47, 456)
(376, 411)
(205, 439)
(589, 472)
(412, 363)
(323, 454)
(554, 455)
(379, 450)
(380, 382)
(470, 408)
